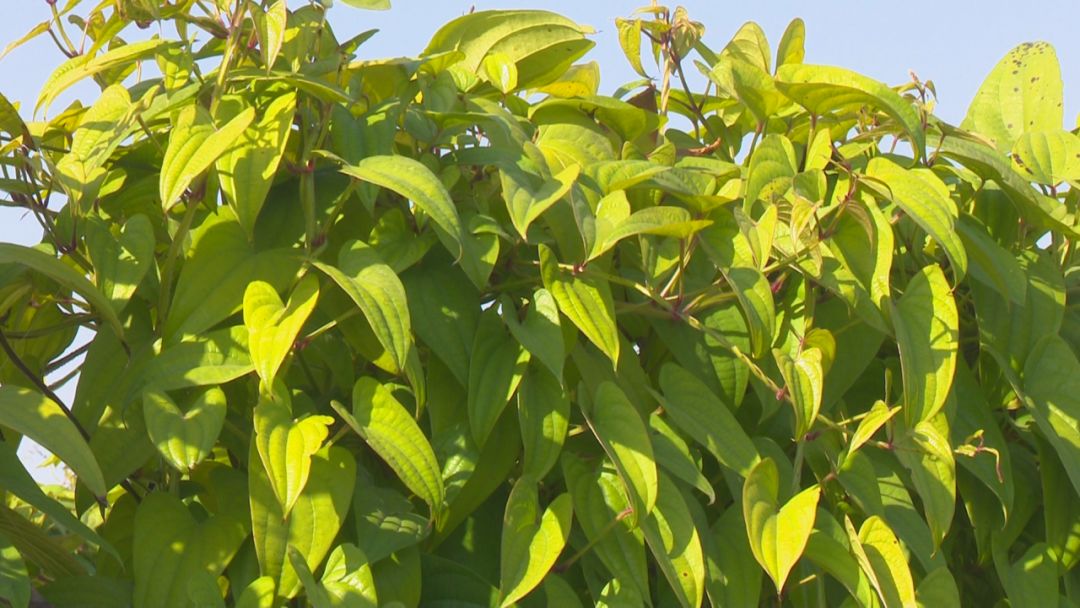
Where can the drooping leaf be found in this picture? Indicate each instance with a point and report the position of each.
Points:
(378, 291)
(286, 447)
(622, 432)
(387, 427)
(706, 419)
(676, 544)
(540, 332)
(30, 413)
(531, 540)
(497, 366)
(778, 533)
(924, 198)
(184, 438)
(544, 417)
(822, 89)
(887, 562)
(585, 300)
(927, 333)
(273, 326)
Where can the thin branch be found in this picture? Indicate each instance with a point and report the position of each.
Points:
(40, 383)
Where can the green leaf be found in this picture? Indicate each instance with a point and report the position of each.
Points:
(792, 44)
(371, 5)
(220, 265)
(730, 250)
(171, 548)
(497, 365)
(772, 167)
(1032, 579)
(417, 184)
(586, 300)
(501, 71)
(699, 413)
(194, 146)
(531, 540)
(347, 578)
(925, 451)
(385, 522)
(216, 357)
(445, 309)
(661, 220)
(544, 418)
(389, 429)
(928, 335)
(1022, 93)
(14, 579)
(926, 200)
(541, 332)
(184, 439)
(804, 379)
(990, 263)
(30, 413)
(1048, 157)
(822, 89)
(286, 447)
(270, 28)
(630, 41)
(83, 66)
(314, 521)
(733, 578)
(938, 588)
(676, 545)
(622, 433)
(273, 326)
(378, 291)
(120, 264)
(886, 559)
(1051, 392)
(46, 264)
(258, 594)
(601, 509)
(875, 418)
(246, 169)
(541, 44)
(525, 201)
(15, 479)
(673, 455)
(778, 534)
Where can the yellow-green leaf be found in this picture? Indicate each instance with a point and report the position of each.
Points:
(585, 300)
(531, 540)
(286, 447)
(928, 336)
(378, 291)
(273, 326)
(822, 89)
(544, 418)
(389, 429)
(695, 409)
(246, 170)
(926, 200)
(194, 145)
(623, 435)
(879, 414)
(889, 567)
(1022, 93)
(676, 545)
(30, 413)
(497, 364)
(1048, 157)
(778, 534)
(184, 438)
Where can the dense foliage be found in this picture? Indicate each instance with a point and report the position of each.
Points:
(789, 339)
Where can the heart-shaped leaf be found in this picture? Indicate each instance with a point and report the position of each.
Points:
(531, 540)
(778, 533)
(273, 326)
(184, 438)
(285, 447)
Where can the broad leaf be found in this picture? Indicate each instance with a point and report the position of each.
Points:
(622, 432)
(531, 540)
(184, 438)
(778, 533)
(273, 326)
